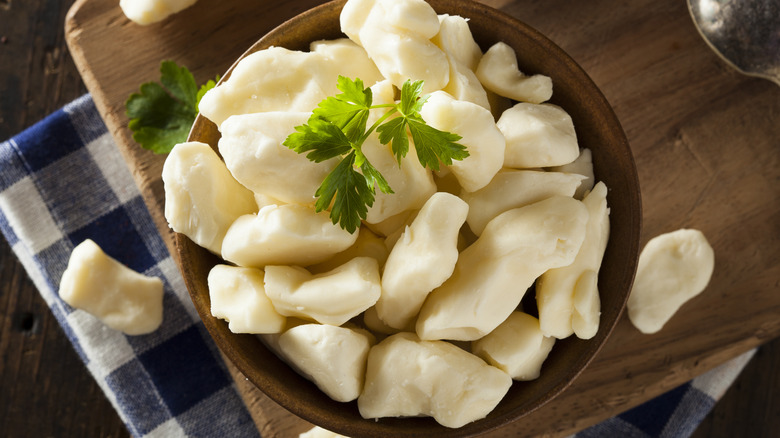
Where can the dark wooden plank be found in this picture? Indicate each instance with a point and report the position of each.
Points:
(45, 389)
(751, 406)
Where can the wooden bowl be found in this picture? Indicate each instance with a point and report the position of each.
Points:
(597, 128)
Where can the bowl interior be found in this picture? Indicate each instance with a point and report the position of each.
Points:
(597, 128)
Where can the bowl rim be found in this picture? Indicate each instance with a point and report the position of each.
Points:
(274, 388)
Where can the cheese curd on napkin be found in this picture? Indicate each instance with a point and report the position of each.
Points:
(123, 299)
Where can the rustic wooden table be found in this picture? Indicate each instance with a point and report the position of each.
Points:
(45, 390)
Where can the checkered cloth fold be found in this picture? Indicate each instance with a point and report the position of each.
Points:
(63, 181)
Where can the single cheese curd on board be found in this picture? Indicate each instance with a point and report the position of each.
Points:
(673, 268)
(121, 298)
(145, 12)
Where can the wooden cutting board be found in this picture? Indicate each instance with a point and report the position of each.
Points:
(706, 142)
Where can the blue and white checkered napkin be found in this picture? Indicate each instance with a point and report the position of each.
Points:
(63, 181)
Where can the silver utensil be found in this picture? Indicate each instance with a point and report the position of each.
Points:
(745, 33)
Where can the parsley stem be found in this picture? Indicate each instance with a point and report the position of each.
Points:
(393, 110)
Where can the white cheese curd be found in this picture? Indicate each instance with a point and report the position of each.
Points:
(493, 274)
(383, 92)
(456, 40)
(447, 257)
(391, 226)
(482, 138)
(515, 188)
(413, 16)
(465, 86)
(332, 297)
(353, 17)
(412, 183)
(372, 322)
(538, 136)
(409, 377)
(251, 145)
(422, 259)
(318, 432)
(271, 340)
(583, 165)
(202, 199)
(332, 357)
(264, 200)
(278, 79)
(517, 346)
(284, 234)
(118, 296)
(393, 237)
(673, 268)
(498, 72)
(367, 244)
(463, 54)
(587, 306)
(238, 296)
(336, 51)
(146, 12)
(555, 289)
(396, 36)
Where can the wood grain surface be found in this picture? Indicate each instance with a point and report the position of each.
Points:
(706, 142)
(45, 389)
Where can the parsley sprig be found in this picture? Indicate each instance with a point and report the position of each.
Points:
(161, 113)
(337, 128)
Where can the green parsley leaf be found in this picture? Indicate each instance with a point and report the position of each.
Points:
(394, 132)
(352, 192)
(337, 127)
(373, 177)
(211, 83)
(348, 110)
(410, 98)
(322, 139)
(161, 114)
(434, 146)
